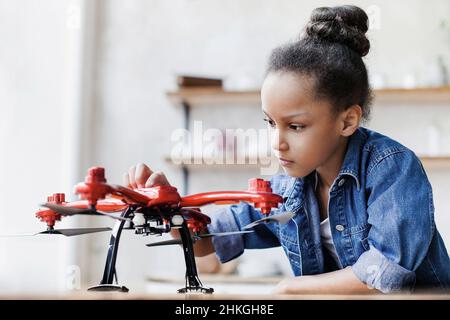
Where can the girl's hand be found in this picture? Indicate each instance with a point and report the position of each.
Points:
(141, 176)
(342, 281)
(283, 287)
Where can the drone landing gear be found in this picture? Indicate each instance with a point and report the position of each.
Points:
(109, 288)
(193, 283)
(106, 285)
(196, 289)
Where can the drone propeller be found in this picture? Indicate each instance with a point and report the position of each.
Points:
(282, 218)
(165, 243)
(64, 232)
(197, 237)
(75, 232)
(221, 234)
(70, 211)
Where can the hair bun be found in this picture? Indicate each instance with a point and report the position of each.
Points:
(343, 24)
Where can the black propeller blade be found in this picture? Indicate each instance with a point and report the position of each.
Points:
(165, 243)
(64, 232)
(221, 234)
(282, 218)
(75, 232)
(198, 237)
(68, 211)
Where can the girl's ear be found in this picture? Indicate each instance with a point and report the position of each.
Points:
(350, 120)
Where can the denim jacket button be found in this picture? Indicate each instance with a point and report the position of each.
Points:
(340, 183)
(340, 227)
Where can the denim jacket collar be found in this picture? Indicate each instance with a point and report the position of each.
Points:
(293, 194)
(352, 160)
(292, 200)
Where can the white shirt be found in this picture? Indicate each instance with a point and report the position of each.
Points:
(325, 234)
(327, 240)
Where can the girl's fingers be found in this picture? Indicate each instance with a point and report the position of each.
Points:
(131, 176)
(157, 179)
(126, 180)
(142, 174)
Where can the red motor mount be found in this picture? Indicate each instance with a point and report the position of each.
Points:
(258, 185)
(48, 216)
(94, 187)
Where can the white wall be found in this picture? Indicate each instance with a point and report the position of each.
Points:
(43, 86)
(31, 86)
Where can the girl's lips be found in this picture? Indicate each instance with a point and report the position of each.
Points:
(285, 162)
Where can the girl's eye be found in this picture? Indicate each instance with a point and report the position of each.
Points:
(270, 122)
(297, 127)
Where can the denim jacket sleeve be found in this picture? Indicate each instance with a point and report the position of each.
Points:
(400, 212)
(234, 218)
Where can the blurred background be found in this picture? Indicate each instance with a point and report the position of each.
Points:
(94, 83)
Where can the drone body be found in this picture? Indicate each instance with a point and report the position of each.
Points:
(150, 211)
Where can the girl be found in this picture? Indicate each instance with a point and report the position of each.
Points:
(363, 204)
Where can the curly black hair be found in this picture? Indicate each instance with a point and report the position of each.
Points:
(330, 50)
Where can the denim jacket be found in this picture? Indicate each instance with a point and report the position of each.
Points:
(381, 217)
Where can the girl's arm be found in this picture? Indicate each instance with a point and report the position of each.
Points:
(343, 281)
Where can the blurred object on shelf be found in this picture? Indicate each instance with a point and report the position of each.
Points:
(184, 81)
(436, 73)
(409, 81)
(433, 136)
(243, 81)
(444, 25)
(444, 71)
(377, 80)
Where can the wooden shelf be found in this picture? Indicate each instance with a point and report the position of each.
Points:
(435, 162)
(429, 162)
(437, 94)
(210, 96)
(207, 96)
(430, 90)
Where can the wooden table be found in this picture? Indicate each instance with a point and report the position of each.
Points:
(141, 296)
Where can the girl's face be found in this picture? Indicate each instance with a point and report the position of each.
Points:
(304, 131)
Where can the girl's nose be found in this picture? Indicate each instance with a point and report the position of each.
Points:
(277, 141)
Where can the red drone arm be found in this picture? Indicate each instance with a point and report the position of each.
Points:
(259, 193)
(95, 188)
(106, 205)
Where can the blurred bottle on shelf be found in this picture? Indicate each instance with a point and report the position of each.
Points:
(409, 81)
(377, 80)
(436, 73)
(433, 139)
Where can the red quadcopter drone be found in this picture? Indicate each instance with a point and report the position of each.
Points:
(153, 211)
